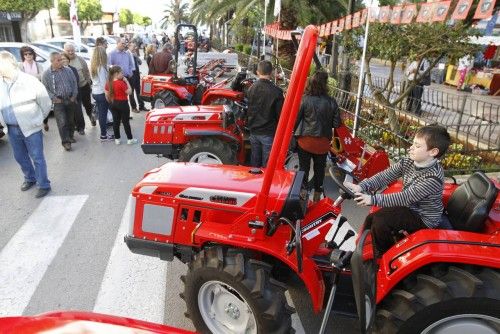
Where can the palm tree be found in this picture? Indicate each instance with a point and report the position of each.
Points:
(176, 12)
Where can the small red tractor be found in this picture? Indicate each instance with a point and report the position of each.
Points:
(181, 89)
(242, 231)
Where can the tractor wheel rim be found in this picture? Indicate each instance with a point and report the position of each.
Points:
(159, 104)
(206, 158)
(465, 323)
(224, 310)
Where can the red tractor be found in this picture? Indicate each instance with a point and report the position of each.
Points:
(243, 230)
(183, 88)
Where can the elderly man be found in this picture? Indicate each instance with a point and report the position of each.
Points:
(84, 90)
(24, 104)
(160, 62)
(61, 85)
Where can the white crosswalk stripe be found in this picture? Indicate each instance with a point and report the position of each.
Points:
(28, 254)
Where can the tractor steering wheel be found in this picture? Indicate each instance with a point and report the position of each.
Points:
(347, 193)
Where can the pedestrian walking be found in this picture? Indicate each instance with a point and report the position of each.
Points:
(415, 75)
(84, 81)
(99, 74)
(29, 65)
(121, 57)
(62, 87)
(318, 114)
(464, 66)
(79, 120)
(24, 103)
(135, 80)
(117, 90)
(265, 101)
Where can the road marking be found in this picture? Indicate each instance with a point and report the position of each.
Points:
(133, 285)
(28, 254)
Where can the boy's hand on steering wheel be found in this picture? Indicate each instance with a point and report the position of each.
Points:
(353, 187)
(363, 199)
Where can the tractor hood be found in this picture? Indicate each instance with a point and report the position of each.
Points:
(235, 186)
(186, 113)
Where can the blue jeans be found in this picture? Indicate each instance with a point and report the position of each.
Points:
(102, 111)
(261, 147)
(28, 151)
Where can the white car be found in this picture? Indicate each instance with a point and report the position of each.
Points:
(82, 50)
(49, 48)
(42, 56)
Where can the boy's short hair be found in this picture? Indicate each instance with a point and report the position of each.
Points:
(435, 136)
(265, 67)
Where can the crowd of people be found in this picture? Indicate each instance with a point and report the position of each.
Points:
(67, 87)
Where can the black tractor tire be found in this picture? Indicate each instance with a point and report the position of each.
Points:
(166, 97)
(247, 279)
(224, 151)
(440, 292)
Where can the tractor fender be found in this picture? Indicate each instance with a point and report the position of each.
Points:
(179, 91)
(426, 247)
(210, 133)
(217, 93)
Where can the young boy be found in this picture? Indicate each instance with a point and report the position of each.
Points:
(419, 205)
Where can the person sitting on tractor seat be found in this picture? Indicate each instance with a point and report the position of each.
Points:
(160, 63)
(419, 205)
(318, 114)
(265, 101)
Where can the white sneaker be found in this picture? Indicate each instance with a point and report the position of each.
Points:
(132, 141)
(117, 141)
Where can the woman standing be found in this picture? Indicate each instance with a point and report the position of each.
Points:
(99, 74)
(117, 90)
(318, 114)
(29, 65)
(150, 51)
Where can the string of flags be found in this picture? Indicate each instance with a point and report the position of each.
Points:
(400, 14)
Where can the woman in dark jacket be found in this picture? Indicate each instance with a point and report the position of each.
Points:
(318, 114)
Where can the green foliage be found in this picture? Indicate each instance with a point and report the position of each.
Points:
(239, 47)
(87, 10)
(25, 6)
(125, 17)
(137, 18)
(176, 12)
(247, 49)
(146, 21)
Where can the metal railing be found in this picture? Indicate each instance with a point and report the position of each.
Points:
(474, 134)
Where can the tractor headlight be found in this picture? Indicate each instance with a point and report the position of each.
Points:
(146, 87)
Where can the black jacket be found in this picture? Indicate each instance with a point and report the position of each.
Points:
(265, 101)
(317, 116)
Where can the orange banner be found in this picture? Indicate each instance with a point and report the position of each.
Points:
(396, 14)
(364, 14)
(341, 25)
(385, 14)
(334, 29)
(462, 10)
(355, 19)
(425, 13)
(409, 14)
(440, 11)
(484, 9)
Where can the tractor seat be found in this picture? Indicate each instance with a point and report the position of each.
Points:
(470, 204)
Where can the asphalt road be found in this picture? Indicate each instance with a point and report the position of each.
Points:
(65, 252)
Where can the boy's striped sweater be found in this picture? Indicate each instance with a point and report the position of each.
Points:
(422, 189)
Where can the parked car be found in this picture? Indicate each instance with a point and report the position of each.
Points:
(81, 49)
(42, 56)
(49, 48)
